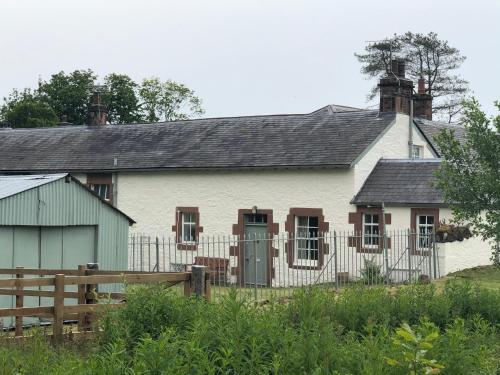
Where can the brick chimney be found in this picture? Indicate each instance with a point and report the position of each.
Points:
(395, 89)
(98, 112)
(422, 102)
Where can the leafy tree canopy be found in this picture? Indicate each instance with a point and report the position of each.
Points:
(24, 110)
(66, 97)
(168, 101)
(470, 172)
(426, 57)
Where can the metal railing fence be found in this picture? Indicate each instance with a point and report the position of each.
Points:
(262, 266)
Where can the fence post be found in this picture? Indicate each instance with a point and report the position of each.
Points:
(19, 303)
(57, 329)
(187, 285)
(208, 287)
(336, 261)
(157, 244)
(90, 292)
(434, 254)
(408, 249)
(82, 289)
(198, 279)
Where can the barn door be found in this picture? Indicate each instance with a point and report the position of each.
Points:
(66, 248)
(6, 258)
(27, 255)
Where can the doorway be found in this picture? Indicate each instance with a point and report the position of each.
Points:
(256, 249)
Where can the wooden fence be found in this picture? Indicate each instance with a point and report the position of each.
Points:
(87, 296)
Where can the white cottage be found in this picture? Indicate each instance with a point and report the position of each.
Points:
(295, 174)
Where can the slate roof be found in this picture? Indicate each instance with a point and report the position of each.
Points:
(401, 182)
(432, 128)
(325, 138)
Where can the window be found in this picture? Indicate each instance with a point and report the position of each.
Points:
(102, 185)
(417, 152)
(306, 240)
(187, 227)
(305, 247)
(423, 222)
(102, 190)
(425, 229)
(371, 230)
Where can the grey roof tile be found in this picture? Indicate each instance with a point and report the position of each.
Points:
(401, 182)
(433, 128)
(322, 138)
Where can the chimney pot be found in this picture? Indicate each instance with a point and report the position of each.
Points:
(421, 86)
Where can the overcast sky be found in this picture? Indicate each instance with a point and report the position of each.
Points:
(241, 57)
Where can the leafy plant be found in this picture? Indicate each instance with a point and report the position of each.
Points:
(371, 273)
(414, 348)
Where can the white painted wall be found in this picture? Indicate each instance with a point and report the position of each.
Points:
(459, 255)
(393, 144)
(151, 197)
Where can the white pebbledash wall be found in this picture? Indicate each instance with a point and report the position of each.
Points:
(459, 255)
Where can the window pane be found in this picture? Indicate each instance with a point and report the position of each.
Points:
(302, 244)
(313, 221)
(375, 218)
(302, 221)
(314, 254)
(313, 232)
(302, 233)
(422, 219)
(368, 218)
(188, 217)
(430, 220)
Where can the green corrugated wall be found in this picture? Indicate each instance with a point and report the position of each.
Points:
(61, 203)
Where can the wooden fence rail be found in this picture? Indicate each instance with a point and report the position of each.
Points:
(87, 281)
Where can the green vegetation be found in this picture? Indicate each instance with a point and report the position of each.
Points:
(470, 172)
(415, 329)
(486, 276)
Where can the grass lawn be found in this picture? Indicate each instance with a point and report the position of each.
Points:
(486, 276)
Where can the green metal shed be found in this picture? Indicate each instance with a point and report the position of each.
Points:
(54, 221)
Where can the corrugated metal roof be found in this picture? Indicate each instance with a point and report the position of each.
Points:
(12, 185)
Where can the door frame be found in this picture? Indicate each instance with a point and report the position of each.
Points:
(248, 246)
(239, 249)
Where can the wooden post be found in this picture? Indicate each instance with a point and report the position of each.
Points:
(208, 287)
(91, 290)
(57, 329)
(19, 303)
(187, 286)
(198, 280)
(82, 289)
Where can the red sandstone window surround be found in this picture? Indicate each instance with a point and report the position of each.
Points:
(423, 222)
(187, 228)
(368, 227)
(306, 247)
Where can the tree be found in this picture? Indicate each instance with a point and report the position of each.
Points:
(168, 101)
(26, 110)
(69, 94)
(121, 98)
(470, 173)
(427, 57)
